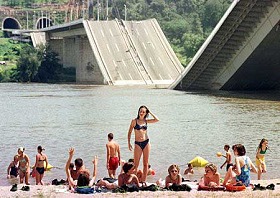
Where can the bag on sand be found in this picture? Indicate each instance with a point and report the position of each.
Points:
(176, 187)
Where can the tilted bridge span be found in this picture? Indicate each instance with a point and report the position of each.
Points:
(242, 52)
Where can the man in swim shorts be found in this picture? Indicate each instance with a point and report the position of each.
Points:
(113, 155)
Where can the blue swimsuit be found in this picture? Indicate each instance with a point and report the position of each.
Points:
(244, 176)
(139, 127)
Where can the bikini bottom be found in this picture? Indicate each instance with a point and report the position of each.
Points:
(142, 144)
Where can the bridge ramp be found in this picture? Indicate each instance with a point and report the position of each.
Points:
(152, 47)
(128, 58)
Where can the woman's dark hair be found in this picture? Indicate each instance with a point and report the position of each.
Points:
(147, 111)
(262, 141)
(83, 179)
(40, 148)
(240, 149)
(127, 166)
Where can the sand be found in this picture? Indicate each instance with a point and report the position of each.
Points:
(61, 192)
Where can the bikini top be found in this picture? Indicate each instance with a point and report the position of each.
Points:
(263, 152)
(138, 127)
(23, 160)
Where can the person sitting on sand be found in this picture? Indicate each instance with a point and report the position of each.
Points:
(240, 172)
(139, 173)
(189, 170)
(83, 176)
(12, 171)
(128, 178)
(211, 177)
(24, 166)
(173, 176)
(72, 169)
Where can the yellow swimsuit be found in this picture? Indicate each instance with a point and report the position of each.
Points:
(261, 158)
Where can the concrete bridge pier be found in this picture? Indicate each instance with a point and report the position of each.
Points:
(76, 52)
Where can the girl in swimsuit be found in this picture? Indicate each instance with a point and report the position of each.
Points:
(23, 166)
(142, 145)
(40, 166)
(12, 170)
(240, 172)
(260, 159)
(174, 176)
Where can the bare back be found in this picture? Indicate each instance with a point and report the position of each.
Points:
(113, 148)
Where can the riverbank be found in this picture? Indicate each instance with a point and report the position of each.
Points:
(61, 192)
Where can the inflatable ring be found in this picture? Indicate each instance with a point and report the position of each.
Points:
(233, 188)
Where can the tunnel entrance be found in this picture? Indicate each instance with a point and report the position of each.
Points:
(43, 23)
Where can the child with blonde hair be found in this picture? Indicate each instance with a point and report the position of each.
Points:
(173, 176)
(211, 177)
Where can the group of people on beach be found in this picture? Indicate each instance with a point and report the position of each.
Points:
(239, 172)
(78, 176)
(20, 166)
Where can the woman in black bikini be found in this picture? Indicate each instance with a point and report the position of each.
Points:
(40, 165)
(142, 145)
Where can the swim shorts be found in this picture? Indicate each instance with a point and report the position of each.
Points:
(113, 163)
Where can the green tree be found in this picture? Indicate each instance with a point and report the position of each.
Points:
(50, 69)
(192, 42)
(27, 65)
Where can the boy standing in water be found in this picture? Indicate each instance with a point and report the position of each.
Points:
(113, 155)
(228, 157)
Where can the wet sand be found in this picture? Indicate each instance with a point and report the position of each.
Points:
(61, 192)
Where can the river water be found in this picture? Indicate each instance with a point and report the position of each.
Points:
(191, 124)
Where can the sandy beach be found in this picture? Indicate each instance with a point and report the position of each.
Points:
(61, 192)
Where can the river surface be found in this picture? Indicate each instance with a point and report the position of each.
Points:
(191, 124)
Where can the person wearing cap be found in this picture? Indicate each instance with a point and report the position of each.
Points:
(41, 165)
(23, 167)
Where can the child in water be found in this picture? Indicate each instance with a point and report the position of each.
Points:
(211, 177)
(228, 157)
(260, 157)
(12, 171)
(189, 170)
